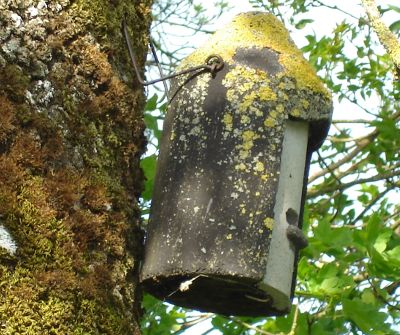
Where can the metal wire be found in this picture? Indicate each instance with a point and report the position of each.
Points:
(153, 51)
(213, 63)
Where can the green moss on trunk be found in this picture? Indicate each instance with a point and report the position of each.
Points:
(71, 135)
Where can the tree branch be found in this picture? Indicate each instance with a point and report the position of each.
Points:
(359, 148)
(362, 121)
(188, 324)
(379, 296)
(346, 158)
(319, 191)
(371, 204)
(295, 319)
(385, 36)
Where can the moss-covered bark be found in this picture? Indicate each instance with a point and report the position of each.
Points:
(71, 134)
(386, 37)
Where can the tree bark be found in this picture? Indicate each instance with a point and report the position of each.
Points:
(71, 135)
(386, 37)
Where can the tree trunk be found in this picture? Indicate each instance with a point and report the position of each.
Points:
(71, 135)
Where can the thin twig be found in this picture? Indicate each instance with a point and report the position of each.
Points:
(295, 319)
(362, 121)
(321, 4)
(345, 159)
(249, 326)
(372, 203)
(328, 168)
(188, 324)
(360, 146)
(317, 192)
(382, 298)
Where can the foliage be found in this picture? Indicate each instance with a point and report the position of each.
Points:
(349, 275)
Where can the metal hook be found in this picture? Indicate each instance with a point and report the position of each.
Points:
(213, 63)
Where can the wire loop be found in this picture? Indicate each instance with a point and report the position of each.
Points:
(213, 63)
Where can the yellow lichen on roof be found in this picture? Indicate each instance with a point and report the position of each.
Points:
(260, 30)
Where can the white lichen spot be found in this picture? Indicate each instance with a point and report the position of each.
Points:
(29, 97)
(33, 11)
(240, 167)
(238, 187)
(229, 236)
(245, 119)
(17, 19)
(203, 250)
(195, 131)
(11, 47)
(196, 209)
(6, 240)
(196, 120)
(209, 205)
(41, 5)
(234, 195)
(184, 286)
(258, 194)
(46, 91)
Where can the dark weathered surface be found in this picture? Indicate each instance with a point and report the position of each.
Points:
(70, 141)
(209, 216)
(213, 207)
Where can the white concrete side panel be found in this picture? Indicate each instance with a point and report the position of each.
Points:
(278, 276)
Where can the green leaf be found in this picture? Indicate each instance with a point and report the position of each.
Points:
(368, 297)
(332, 239)
(330, 285)
(394, 8)
(367, 317)
(302, 23)
(395, 26)
(373, 229)
(394, 256)
(283, 324)
(151, 104)
(148, 165)
(382, 240)
(151, 123)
